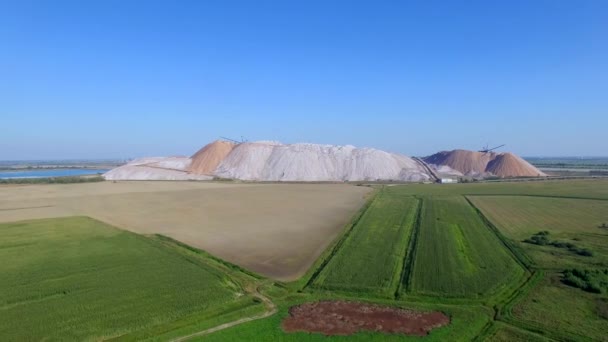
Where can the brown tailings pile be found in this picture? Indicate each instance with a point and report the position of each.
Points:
(347, 318)
(207, 159)
(506, 164)
(473, 163)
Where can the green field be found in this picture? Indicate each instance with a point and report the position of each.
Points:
(456, 254)
(455, 248)
(552, 307)
(569, 220)
(372, 256)
(562, 312)
(79, 279)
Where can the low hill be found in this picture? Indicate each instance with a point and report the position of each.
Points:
(472, 163)
(273, 161)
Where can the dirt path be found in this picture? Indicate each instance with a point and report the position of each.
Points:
(271, 309)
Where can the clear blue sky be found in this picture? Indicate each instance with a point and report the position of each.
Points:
(102, 79)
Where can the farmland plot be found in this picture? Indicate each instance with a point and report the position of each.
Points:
(575, 221)
(456, 254)
(371, 259)
(79, 279)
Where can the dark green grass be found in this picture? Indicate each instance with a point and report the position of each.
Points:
(561, 311)
(79, 279)
(457, 255)
(371, 258)
(466, 323)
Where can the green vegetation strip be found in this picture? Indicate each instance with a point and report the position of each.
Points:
(456, 255)
(372, 256)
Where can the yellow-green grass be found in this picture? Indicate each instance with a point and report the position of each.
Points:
(569, 220)
(564, 312)
(80, 279)
(372, 255)
(457, 255)
(597, 189)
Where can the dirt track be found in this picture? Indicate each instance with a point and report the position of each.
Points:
(277, 230)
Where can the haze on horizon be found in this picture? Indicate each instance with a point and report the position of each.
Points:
(118, 79)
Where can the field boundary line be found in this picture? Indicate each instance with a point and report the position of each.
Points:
(542, 196)
(410, 253)
(407, 221)
(519, 256)
(331, 251)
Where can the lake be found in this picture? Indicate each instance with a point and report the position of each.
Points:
(49, 173)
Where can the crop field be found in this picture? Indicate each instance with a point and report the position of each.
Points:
(456, 249)
(372, 256)
(277, 230)
(79, 279)
(456, 254)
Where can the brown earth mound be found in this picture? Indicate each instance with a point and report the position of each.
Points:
(347, 318)
(510, 165)
(207, 159)
(473, 163)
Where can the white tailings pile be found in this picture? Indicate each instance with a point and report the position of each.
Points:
(155, 168)
(273, 161)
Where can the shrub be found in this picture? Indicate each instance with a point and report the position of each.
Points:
(594, 281)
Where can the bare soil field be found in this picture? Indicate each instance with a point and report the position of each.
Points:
(347, 318)
(277, 230)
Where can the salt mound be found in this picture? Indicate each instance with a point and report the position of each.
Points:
(154, 168)
(271, 161)
(473, 163)
(207, 159)
(171, 163)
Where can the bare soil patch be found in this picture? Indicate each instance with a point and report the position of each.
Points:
(277, 230)
(347, 318)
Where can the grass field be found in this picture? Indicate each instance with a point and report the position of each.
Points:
(372, 256)
(570, 220)
(456, 254)
(551, 307)
(506, 333)
(79, 279)
(555, 307)
(277, 230)
(454, 248)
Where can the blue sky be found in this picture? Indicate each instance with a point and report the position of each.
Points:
(105, 79)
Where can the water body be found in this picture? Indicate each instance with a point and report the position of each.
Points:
(49, 173)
